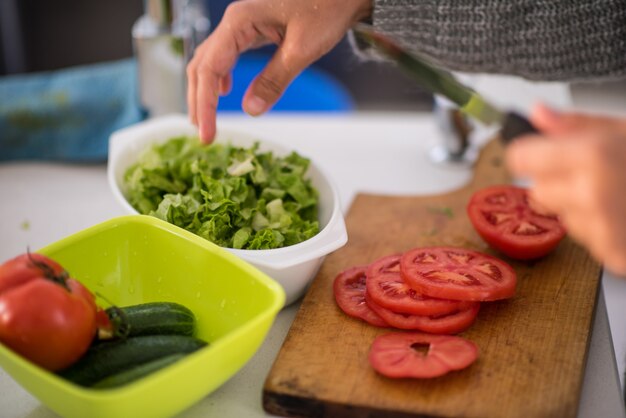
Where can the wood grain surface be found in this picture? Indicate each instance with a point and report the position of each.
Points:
(533, 347)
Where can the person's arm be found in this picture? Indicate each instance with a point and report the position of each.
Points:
(536, 39)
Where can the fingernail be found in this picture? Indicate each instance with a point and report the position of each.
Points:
(255, 105)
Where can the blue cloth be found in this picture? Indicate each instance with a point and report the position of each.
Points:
(66, 115)
(69, 114)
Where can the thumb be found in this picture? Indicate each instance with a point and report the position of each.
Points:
(554, 122)
(288, 61)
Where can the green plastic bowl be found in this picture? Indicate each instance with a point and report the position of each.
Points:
(135, 259)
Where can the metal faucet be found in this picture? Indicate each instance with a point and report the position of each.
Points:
(164, 39)
(456, 130)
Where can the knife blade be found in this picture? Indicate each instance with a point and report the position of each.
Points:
(439, 81)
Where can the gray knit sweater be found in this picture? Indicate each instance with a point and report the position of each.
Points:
(536, 39)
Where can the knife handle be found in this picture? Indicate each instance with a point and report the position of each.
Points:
(516, 125)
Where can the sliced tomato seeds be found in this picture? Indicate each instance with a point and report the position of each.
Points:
(391, 291)
(387, 264)
(457, 273)
(387, 288)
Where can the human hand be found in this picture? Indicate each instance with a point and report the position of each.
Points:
(578, 170)
(304, 30)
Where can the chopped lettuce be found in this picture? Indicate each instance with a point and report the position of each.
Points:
(235, 197)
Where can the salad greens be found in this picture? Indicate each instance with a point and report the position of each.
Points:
(235, 197)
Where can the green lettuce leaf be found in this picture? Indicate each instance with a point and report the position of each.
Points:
(233, 196)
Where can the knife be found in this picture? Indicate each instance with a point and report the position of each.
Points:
(438, 81)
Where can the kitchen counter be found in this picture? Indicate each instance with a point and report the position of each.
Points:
(384, 153)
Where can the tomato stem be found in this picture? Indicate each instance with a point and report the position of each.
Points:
(48, 271)
(117, 317)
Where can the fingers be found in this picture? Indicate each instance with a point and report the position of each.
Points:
(209, 71)
(577, 171)
(204, 80)
(269, 85)
(226, 85)
(206, 104)
(556, 169)
(192, 87)
(554, 122)
(534, 156)
(569, 194)
(290, 59)
(580, 176)
(584, 151)
(209, 76)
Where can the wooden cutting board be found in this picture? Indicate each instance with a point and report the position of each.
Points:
(533, 347)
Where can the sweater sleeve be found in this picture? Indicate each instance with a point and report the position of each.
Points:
(537, 39)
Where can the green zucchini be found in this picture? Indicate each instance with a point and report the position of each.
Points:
(155, 318)
(136, 372)
(108, 358)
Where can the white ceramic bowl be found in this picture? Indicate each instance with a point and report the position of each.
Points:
(293, 267)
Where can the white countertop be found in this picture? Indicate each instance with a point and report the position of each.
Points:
(382, 153)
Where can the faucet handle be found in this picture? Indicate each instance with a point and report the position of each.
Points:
(455, 146)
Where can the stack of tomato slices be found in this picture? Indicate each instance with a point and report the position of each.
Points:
(434, 290)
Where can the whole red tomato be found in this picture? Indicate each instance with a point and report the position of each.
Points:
(45, 316)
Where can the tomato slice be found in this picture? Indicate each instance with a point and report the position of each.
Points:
(450, 323)
(349, 289)
(388, 289)
(386, 264)
(457, 273)
(504, 217)
(419, 355)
